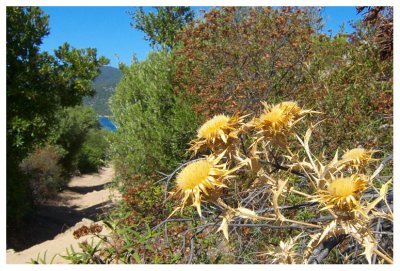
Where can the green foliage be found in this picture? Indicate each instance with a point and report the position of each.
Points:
(162, 27)
(154, 124)
(125, 248)
(38, 84)
(19, 198)
(93, 153)
(78, 131)
(353, 87)
(42, 260)
(88, 255)
(141, 200)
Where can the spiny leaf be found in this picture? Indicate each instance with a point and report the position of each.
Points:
(246, 213)
(226, 218)
(327, 230)
(276, 194)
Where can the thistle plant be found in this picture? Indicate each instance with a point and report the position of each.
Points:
(268, 152)
(220, 134)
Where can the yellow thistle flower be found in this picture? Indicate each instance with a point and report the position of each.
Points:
(342, 192)
(276, 121)
(273, 124)
(358, 157)
(198, 178)
(218, 133)
(214, 128)
(290, 108)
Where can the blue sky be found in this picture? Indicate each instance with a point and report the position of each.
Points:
(108, 29)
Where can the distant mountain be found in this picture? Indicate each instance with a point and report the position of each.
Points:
(104, 84)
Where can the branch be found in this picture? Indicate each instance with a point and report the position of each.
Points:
(171, 220)
(278, 166)
(381, 166)
(324, 248)
(293, 226)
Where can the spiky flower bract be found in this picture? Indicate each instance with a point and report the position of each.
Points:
(358, 157)
(276, 121)
(198, 178)
(285, 252)
(218, 134)
(290, 108)
(214, 128)
(343, 192)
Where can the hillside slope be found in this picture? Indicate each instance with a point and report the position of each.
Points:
(104, 85)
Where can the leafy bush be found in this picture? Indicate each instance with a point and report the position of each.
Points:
(154, 124)
(358, 111)
(74, 125)
(94, 151)
(236, 57)
(44, 171)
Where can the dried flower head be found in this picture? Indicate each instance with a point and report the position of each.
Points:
(285, 253)
(218, 133)
(85, 230)
(358, 157)
(276, 121)
(290, 108)
(82, 231)
(343, 192)
(197, 178)
(214, 128)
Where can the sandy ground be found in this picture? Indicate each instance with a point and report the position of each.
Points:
(78, 205)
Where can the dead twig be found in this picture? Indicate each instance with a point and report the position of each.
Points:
(322, 251)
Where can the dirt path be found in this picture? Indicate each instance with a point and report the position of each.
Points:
(80, 204)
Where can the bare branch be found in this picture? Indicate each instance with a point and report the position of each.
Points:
(322, 251)
(282, 167)
(381, 166)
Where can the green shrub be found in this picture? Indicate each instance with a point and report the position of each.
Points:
(154, 124)
(93, 153)
(73, 126)
(348, 82)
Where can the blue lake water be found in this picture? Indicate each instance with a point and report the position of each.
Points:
(106, 123)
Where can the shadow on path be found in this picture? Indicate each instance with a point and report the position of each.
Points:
(50, 221)
(86, 189)
(56, 216)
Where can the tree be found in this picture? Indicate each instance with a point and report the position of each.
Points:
(38, 84)
(161, 28)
